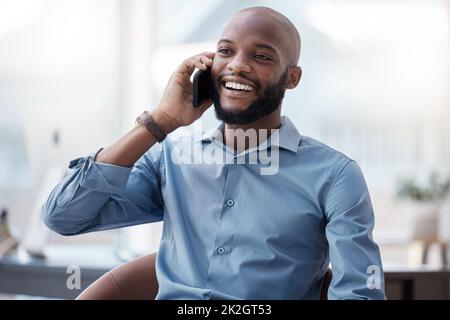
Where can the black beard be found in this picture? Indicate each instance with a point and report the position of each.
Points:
(266, 103)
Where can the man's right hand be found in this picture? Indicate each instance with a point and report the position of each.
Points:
(175, 108)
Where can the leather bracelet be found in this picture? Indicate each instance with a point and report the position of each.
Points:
(150, 124)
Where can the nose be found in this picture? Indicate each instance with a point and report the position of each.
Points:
(239, 64)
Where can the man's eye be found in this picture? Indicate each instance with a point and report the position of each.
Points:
(224, 51)
(262, 57)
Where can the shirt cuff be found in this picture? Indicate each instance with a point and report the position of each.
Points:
(101, 177)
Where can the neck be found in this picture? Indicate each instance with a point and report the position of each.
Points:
(241, 137)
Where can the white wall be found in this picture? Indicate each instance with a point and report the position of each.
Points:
(58, 71)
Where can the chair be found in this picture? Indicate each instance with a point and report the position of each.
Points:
(136, 280)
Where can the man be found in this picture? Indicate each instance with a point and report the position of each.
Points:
(230, 231)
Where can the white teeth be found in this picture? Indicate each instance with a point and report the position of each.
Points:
(238, 86)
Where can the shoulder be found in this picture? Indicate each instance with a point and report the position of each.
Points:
(321, 154)
(345, 185)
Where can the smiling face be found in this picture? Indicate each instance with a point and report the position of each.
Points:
(255, 63)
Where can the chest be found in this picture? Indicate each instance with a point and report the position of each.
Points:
(243, 203)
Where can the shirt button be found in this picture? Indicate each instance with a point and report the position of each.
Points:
(230, 203)
(220, 250)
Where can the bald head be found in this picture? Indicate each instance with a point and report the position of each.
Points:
(279, 26)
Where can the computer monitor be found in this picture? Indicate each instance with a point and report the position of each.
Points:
(54, 135)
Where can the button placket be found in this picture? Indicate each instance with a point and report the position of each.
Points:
(221, 250)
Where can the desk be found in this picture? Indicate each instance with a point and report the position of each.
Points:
(21, 274)
(417, 283)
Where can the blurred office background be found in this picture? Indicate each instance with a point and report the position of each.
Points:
(74, 74)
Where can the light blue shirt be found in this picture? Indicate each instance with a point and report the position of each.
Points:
(229, 231)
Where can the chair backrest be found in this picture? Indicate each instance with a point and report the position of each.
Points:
(325, 285)
(136, 280)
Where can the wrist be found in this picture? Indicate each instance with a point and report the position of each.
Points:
(166, 123)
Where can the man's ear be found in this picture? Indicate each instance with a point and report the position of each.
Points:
(294, 76)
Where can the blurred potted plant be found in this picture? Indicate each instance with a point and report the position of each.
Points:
(426, 201)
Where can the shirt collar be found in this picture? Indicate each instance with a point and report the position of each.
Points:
(286, 137)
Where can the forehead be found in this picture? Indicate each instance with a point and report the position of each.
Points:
(248, 28)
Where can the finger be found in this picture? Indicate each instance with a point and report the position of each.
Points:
(198, 63)
(188, 66)
(206, 61)
(209, 54)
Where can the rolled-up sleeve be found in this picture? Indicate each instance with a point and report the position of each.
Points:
(355, 257)
(96, 196)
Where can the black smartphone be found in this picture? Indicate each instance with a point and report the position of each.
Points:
(201, 90)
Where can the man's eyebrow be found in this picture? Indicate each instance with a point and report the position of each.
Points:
(225, 40)
(258, 45)
(265, 46)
